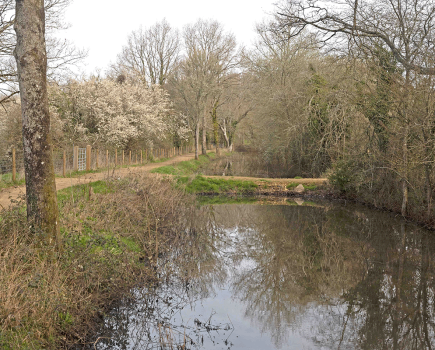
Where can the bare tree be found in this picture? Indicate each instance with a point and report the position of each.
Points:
(406, 27)
(150, 54)
(210, 57)
(31, 57)
(61, 54)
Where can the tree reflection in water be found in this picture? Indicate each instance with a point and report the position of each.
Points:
(320, 276)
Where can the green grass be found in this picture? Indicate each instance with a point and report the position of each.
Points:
(82, 191)
(293, 185)
(187, 167)
(201, 184)
(168, 169)
(99, 240)
(6, 181)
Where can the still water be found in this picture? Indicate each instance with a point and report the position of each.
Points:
(288, 276)
(253, 164)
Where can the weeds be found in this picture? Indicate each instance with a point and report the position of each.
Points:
(113, 233)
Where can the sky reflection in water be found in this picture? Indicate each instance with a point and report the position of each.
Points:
(319, 276)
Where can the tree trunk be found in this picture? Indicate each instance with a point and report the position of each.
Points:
(405, 179)
(196, 140)
(215, 127)
(204, 136)
(405, 149)
(31, 57)
(224, 132)
(428, 171)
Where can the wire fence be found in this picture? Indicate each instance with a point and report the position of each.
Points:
(12, 167)
(77, 160)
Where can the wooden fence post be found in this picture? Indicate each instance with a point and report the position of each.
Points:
(116, 157)
(64, 164)
(146, 155)
(136, 157)
(96, 159)
(129, 158)
(123, 157)
(107, 158)
(88, 157)
(76, 158)
(14, 166)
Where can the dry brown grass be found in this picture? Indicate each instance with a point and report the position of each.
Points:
(113, 234)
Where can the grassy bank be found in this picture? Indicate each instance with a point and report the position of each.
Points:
(203, 185)
(187, 167)
(187, 176)
(113, 232)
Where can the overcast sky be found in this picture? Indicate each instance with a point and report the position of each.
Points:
(102, 26)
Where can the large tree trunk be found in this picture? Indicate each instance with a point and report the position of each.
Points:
(31, 57)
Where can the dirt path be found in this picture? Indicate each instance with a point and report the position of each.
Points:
(13, 193)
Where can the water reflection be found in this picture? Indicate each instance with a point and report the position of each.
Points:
(287, 277)
(244, 164)
(253, 164)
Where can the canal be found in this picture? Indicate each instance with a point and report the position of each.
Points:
(286, 275)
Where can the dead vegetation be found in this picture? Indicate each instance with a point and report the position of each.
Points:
(113, 233)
